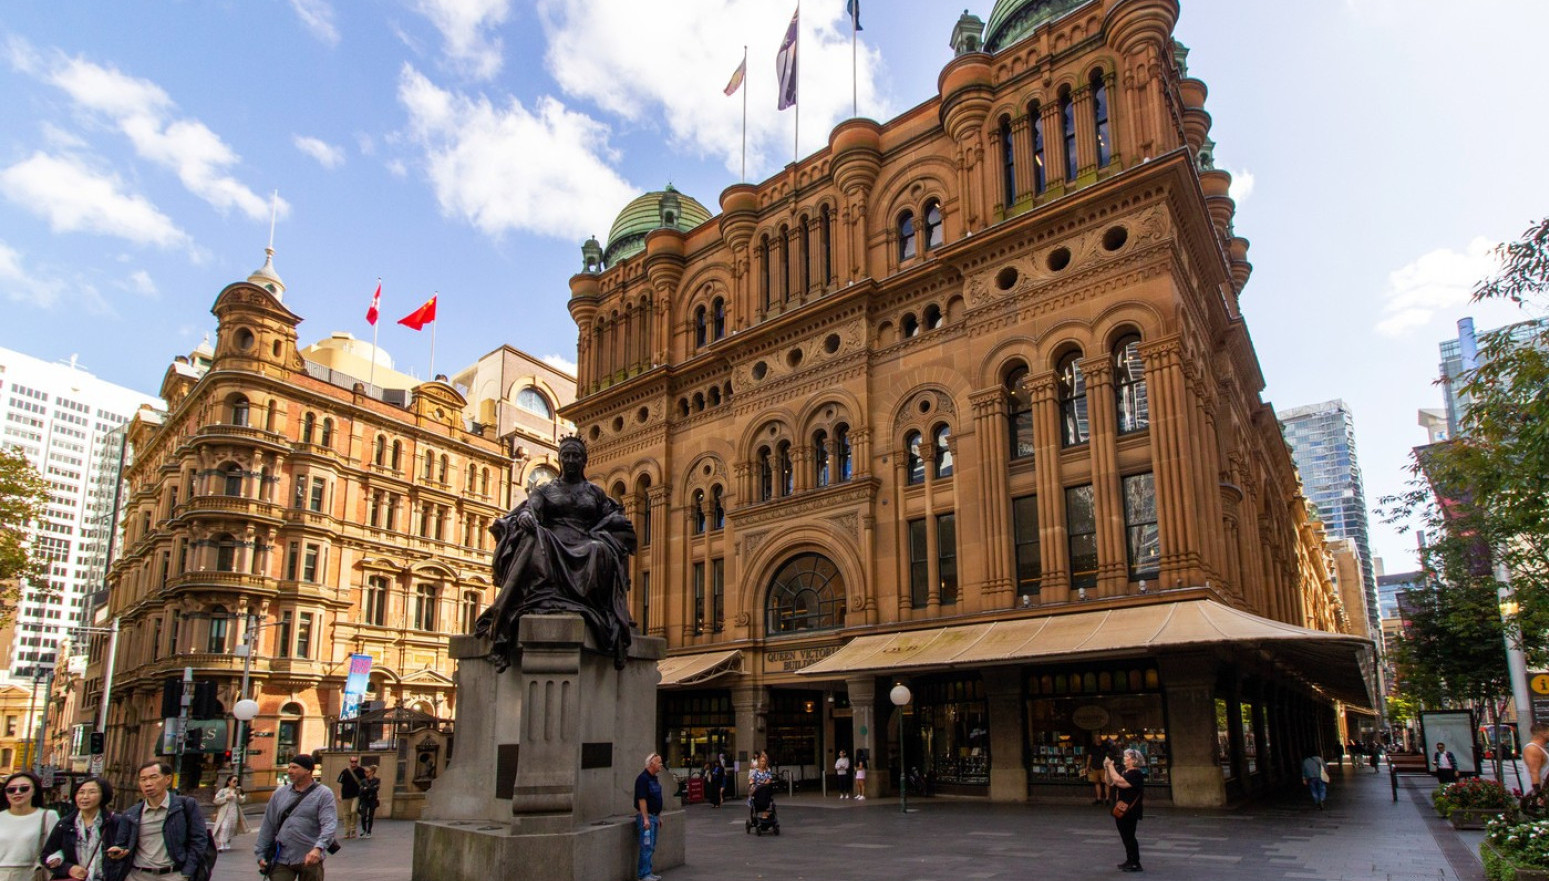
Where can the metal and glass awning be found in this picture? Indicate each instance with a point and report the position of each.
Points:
(682, 670)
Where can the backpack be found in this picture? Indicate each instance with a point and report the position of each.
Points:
(206, 868)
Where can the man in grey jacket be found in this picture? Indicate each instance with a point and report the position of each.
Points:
(302, 836)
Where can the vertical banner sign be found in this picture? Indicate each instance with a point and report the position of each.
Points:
(1538, 687)
(355, 686)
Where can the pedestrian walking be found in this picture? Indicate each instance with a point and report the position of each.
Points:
(648, 819)
(860, 779)
(370, 800)
(75, 848)
(842, 774)
(1446, 764)
(1374, 755)
(299, 826)
(1096, 758)
(1129, 804)
(717, 781)
(1535, 754)
(228, 812)
(162, 837)
(349, 795)
(24, 827)
(1315, 778)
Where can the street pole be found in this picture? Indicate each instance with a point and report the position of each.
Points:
(1516, 664)
(182, 721)
(107, 690)
(37, 748)
(32, 716)
(247, 669)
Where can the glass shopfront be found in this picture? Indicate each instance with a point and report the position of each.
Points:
(952, 726)
(698, 726)
(1073, 712)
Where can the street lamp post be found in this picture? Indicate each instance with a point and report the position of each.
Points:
(245, 709)
(900, 696)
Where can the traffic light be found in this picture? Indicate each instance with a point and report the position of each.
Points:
(193, 740)
(226, 757)
(98, 747)
(205, 704)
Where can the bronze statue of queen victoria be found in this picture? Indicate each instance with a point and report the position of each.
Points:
(565, 549)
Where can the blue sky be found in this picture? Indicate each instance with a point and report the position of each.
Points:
(469, 146)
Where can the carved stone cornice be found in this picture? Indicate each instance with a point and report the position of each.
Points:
(854, 492)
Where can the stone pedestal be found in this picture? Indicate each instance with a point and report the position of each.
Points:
(541, 781)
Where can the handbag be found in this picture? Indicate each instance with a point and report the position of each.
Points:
(42, 872)
(1323, 773)
(1120, 808)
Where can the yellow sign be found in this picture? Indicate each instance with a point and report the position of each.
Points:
(1539, 682)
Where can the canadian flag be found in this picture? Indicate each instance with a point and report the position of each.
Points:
(420, 317)
(376, 304)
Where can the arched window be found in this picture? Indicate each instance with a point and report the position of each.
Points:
(1073, 420)
(717, 508)
(231, 477)
(826, 236)
(763, 270)
(225, 553)
(765, 474)
(1068, 133)
(932, 317)
(787, 473)
(1129, 385)
(806, 255)
(441, 472)
(534, 401)
(220, 620)
(717, 318)
(1040, 176)
(397, 453)
(906, 242)
(327, 433)
(1008, 163)
(538, 477)
(914, 467)
(381, 450)
(820, 475)
(643, 508)
(784, 247)
(940, 436)
(472, 602)
(909, 326)
(308, 427)
(483, 480)
(697, 513)
(1100, 118)
(806, 594)
(376, 600)
(1019, 413)
(425, 607)
(841, 453)
(430, 464)
(934, 237)
(701, 328)
(239, 410)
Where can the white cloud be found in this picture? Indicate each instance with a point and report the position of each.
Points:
(560, 362)
(74, 198)
(544, 171)
(140, 282)
(466, 26)
(317, 16)
(396, 168)
(326, 154)
(609, 52)
(144, 113)
(21, 285)
(1435, 282)
(1242, 186)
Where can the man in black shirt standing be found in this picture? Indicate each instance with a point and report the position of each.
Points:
(349, 795)
(648, 820)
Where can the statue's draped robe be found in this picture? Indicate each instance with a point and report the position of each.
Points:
(576, 560)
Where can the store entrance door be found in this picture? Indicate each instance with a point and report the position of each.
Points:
(795, 737)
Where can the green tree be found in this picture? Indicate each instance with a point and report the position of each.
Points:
(22, 496)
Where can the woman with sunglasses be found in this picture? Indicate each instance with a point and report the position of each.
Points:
(24, 827)
(75, 849)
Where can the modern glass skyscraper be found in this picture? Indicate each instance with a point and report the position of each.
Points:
(69, 425)
(1322, 440)
(1461, 355)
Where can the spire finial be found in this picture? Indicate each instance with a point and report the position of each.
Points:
(274, 211)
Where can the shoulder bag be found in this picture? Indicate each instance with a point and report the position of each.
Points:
(1120, 808)
(1323, 773)
(42, 872)
(273, 850)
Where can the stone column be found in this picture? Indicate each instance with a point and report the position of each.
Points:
(747, 702)
(1008, 773)
(1053, 148)
(1086, 132)
(551, 667)
(1051, 495)
(658, 498)
(1022, 157)
(989, 415)
(1189, 683)
(863, 719)
(1176, 515)
(1108, 502)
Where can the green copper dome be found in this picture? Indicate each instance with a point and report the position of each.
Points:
(1011, 20)
(652, 211)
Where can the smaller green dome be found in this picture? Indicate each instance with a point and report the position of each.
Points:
(1011, 20)
(663, 208)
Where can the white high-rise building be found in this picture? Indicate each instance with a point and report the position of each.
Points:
(69, 425)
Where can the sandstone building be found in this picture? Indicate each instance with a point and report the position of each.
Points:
(965, 401)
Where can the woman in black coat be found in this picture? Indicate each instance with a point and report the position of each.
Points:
(76, 848)
(1128, 787)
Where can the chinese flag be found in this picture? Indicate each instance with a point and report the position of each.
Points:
(420, 317)
(376, 302)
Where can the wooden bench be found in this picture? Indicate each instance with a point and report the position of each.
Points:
(1409, 765)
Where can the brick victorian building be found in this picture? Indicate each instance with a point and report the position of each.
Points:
(965, 401)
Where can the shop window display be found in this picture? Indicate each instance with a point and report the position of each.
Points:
(1224, 740)
(698, 727)
(953, 722)
(1072, 712)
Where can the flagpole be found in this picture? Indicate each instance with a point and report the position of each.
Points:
(855, 101)
(376, 328)
(744, 115)
(796, 138)
(435, 298)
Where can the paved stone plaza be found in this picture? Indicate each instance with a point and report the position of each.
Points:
(1362, 836)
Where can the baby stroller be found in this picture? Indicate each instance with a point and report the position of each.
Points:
(762, 815)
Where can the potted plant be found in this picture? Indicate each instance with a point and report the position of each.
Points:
(1470, 803)
(1515, 849)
